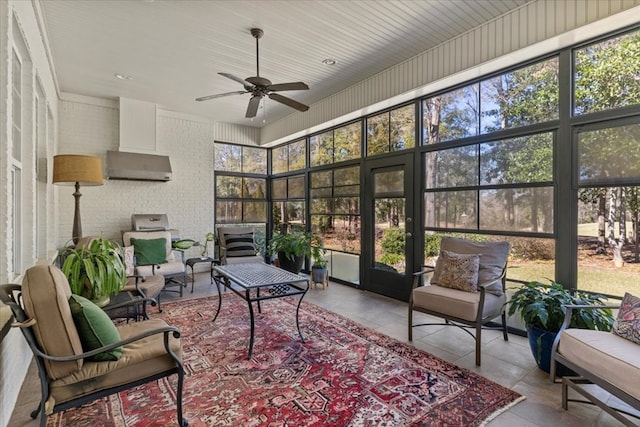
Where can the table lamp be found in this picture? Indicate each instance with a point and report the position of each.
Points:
(75, 169)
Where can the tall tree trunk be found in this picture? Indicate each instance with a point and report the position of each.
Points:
(602, 205)
(433, 128)
(534, 211)
(616, 248)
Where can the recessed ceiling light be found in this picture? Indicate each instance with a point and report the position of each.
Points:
(123, 76)
(329, 61)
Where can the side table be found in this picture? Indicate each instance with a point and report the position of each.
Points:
(193, 261)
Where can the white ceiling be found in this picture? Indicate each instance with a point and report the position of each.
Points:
(174, 49)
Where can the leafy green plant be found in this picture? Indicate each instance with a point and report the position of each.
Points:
(317, 253)
(291, 245)
(543, 307)
(95, 270)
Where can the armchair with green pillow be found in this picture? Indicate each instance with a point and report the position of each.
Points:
(80, 354)
(154, 256)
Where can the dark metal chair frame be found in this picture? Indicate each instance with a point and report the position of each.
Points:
(479, 323)
(11, 295)
(586, 377)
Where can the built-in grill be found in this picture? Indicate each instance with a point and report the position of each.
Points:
(153, 222)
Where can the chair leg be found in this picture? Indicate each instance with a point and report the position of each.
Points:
(478, 342)
(505, 334)
(410, 323)
(181, 421)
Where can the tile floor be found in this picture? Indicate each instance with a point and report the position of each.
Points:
(508, 363)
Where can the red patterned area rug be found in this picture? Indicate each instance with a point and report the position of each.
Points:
(344, 374)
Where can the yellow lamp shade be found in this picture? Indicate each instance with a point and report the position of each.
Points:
(71, 168)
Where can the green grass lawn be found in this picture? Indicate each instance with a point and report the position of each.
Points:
(608, 281)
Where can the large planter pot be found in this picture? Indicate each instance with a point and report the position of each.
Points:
(293, 266)
(540, 342)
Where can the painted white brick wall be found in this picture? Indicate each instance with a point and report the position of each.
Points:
(92, 128)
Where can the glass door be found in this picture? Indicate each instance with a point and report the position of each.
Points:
(389, 226)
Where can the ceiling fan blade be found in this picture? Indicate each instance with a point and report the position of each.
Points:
(288, 86)
(220, 95)
(288, 101)
(236, 79)
(252, 108)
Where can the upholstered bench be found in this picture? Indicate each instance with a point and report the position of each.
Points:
(602, 358)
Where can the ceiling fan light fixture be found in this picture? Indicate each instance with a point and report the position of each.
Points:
(260, 87)
(329, 61)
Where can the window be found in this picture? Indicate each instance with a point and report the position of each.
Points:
(336, 145)
(240, 158)
(502, 185)
(16, 161)
(606, 74)
(521, 97)
(289, 157)
(240, 184)
(288, 207)
(391, 131)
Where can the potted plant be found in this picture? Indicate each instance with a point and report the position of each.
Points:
(95, 269)
(319, 262)
(541, 307)
(291, 249)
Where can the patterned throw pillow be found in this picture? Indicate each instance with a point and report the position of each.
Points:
(240, 244)
(627, 324)
(128, 260)
(457, 271)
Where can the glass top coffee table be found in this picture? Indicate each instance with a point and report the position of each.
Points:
(256, 282)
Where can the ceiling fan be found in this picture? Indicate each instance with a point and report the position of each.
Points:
(260, 87)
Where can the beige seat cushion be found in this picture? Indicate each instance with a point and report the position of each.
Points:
(150, 285)
(139, 360)
(604, 354)
(46, 293)
(456, 303)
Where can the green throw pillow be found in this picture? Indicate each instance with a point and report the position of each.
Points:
(150, 251)
(95, 328)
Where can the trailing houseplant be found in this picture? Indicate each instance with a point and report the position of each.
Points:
(291, 249)
(95, 269)
(542, 308)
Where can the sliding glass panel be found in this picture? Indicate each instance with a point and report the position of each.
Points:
(253, 188)
(517, 209)
(455, 167)
(610, 155)
(451, 209)
(228, 212)
(279, 188)
(517, 160)
(608, 241)
(228, 186)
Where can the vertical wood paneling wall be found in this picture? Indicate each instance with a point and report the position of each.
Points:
(532, 23)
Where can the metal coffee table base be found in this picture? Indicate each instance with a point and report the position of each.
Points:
(258, 282)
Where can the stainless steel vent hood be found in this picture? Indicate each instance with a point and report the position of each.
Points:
(137, 166)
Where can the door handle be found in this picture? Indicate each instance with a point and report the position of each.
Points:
(408, 234)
